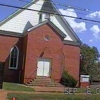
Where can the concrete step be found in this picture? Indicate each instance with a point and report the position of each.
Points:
(44, 81)
(42, 77)
(48, 85)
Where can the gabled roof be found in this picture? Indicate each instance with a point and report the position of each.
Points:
(47, 7)
(51, 24)
(57, 11)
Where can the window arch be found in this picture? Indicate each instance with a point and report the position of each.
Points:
(13, 60)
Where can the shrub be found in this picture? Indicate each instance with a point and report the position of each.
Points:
(68, 80)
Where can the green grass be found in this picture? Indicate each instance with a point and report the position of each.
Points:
(16, 87)
(52, 97)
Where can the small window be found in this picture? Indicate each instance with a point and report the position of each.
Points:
(47, 16)
(46, 38)
(40, 18)
(13, 60)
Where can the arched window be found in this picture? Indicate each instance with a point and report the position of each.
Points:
(13, 60)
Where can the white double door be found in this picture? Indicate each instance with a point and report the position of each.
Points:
(43, 67)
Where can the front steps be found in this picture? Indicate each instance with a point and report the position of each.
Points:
(44, 81)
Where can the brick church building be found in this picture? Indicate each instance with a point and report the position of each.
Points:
(38, 43)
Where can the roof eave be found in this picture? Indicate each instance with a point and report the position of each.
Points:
(8, 33)
(51, 24)
(72, 43)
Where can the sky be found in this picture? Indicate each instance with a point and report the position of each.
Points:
(87, 31)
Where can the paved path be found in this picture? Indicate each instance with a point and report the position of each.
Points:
(48, 89)
(3, 95)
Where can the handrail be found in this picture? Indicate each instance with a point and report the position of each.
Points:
(31, 74)
(56, 71)
(36, 70)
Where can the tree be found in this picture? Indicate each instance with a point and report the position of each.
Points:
(97, 55)
(89, 60)
(99, 64)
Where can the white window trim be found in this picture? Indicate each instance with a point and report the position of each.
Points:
(17, 58)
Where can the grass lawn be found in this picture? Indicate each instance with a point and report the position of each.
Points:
(16, 87)
(32, 96)
(52, 97)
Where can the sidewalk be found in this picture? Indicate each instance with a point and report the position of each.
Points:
(3, 95)
(48, 89)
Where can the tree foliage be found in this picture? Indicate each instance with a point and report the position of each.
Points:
(68, 80)
(89, 60)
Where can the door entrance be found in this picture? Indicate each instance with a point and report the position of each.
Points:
(43, 67)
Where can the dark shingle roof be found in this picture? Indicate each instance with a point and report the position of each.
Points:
(8, 33)
(47, 7)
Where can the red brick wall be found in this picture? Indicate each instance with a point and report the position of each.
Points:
(34, 46)
(84, 84)
(6, 43)
(54, 50)
(72, 60)
(23, 56)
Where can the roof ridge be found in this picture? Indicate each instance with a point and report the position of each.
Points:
(48, 7)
